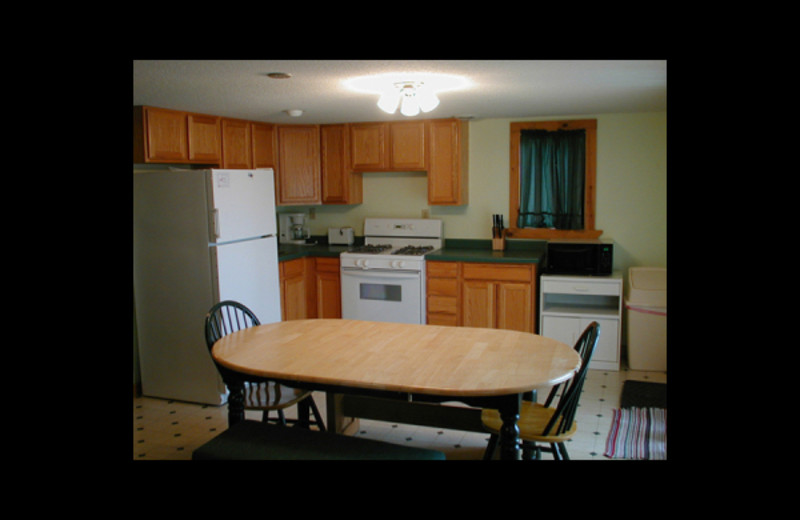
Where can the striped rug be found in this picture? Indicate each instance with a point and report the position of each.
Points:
(638, 434)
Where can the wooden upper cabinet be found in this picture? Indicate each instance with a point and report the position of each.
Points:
(159, 135)
(313, 164)
(408, 146)
(369, 146)
(204, 138)
(339, 184)
(237, 152)
(162, 135)
(448, 162)
(399, 146)
(264, 144)
(298, 179)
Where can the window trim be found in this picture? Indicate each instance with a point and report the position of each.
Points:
(588, 231)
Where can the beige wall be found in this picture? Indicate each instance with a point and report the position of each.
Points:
(631, 188)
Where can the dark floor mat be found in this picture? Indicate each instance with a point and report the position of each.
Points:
(642, 394)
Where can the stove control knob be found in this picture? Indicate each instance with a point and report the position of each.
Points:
(363, 263)
(398, 264)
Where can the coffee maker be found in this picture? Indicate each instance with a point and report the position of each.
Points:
(292, 228)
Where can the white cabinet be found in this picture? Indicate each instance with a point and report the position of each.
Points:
(568, 304)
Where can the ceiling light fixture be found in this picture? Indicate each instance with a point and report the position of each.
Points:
(412, 96)
(412, 92)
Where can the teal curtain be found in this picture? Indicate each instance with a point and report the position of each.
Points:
(552, 179)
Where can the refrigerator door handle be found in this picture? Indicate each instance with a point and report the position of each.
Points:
(215, 221)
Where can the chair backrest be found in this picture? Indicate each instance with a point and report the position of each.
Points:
(227, 317)
(224, 318)
(561, 420)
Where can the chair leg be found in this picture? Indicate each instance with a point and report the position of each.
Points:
(555, 452)
(563, 449)
(281, 418)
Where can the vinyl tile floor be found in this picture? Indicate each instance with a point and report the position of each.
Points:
(171, 430)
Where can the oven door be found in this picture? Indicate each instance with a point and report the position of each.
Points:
(382, 295)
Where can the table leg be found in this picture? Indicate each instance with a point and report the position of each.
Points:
(509, 432)
(235, 403)
(303, 412)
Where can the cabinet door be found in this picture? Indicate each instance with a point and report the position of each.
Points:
(299, 165)
(561, 329)
(204, 138)
(295, 288)
(329, 293)
(166, 135)
(608, 342)
(329, 299)
(294, 298)
(447, 183)
(478, 306)
(368, 143)
(569, 330)
(264, 139)
(407, 145)
(236, 144)
(339, 184)
(514, 307)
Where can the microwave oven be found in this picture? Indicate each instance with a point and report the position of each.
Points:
(580, 257)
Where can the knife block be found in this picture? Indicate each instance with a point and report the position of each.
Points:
(499, 244)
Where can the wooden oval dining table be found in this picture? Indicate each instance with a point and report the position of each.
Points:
(487, 368)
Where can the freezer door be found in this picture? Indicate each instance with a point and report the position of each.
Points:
(247, 272)
(242, 204)
(173, 287)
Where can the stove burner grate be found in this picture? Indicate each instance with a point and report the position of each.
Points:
(371, 248)
(413, 250)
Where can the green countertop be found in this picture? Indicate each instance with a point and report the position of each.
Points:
(454, 250)
(516, 251)
(292, 252)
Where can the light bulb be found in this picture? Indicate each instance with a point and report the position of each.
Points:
(388, 101)
(427, 100)
(410, 106)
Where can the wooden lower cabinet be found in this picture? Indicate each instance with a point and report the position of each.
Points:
(328, 288)
(310, 288)
(443, 293)
(488, 295)
(464, 294)
(296, 296)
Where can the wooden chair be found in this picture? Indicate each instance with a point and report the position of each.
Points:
(542, 424)
(230, 316)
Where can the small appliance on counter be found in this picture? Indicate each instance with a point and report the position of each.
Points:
(343, 235)
(292, 228)
(587, 257)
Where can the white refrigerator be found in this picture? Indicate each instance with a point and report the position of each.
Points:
(199, 237)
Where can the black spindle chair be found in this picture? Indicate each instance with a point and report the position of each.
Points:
(541, 423)
(230, 316)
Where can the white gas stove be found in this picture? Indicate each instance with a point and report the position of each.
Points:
(384, 280)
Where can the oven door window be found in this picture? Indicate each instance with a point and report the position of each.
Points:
(381, 292)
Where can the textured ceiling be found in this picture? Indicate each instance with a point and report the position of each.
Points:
(499, 89)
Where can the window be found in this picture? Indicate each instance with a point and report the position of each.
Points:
(538, 219)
